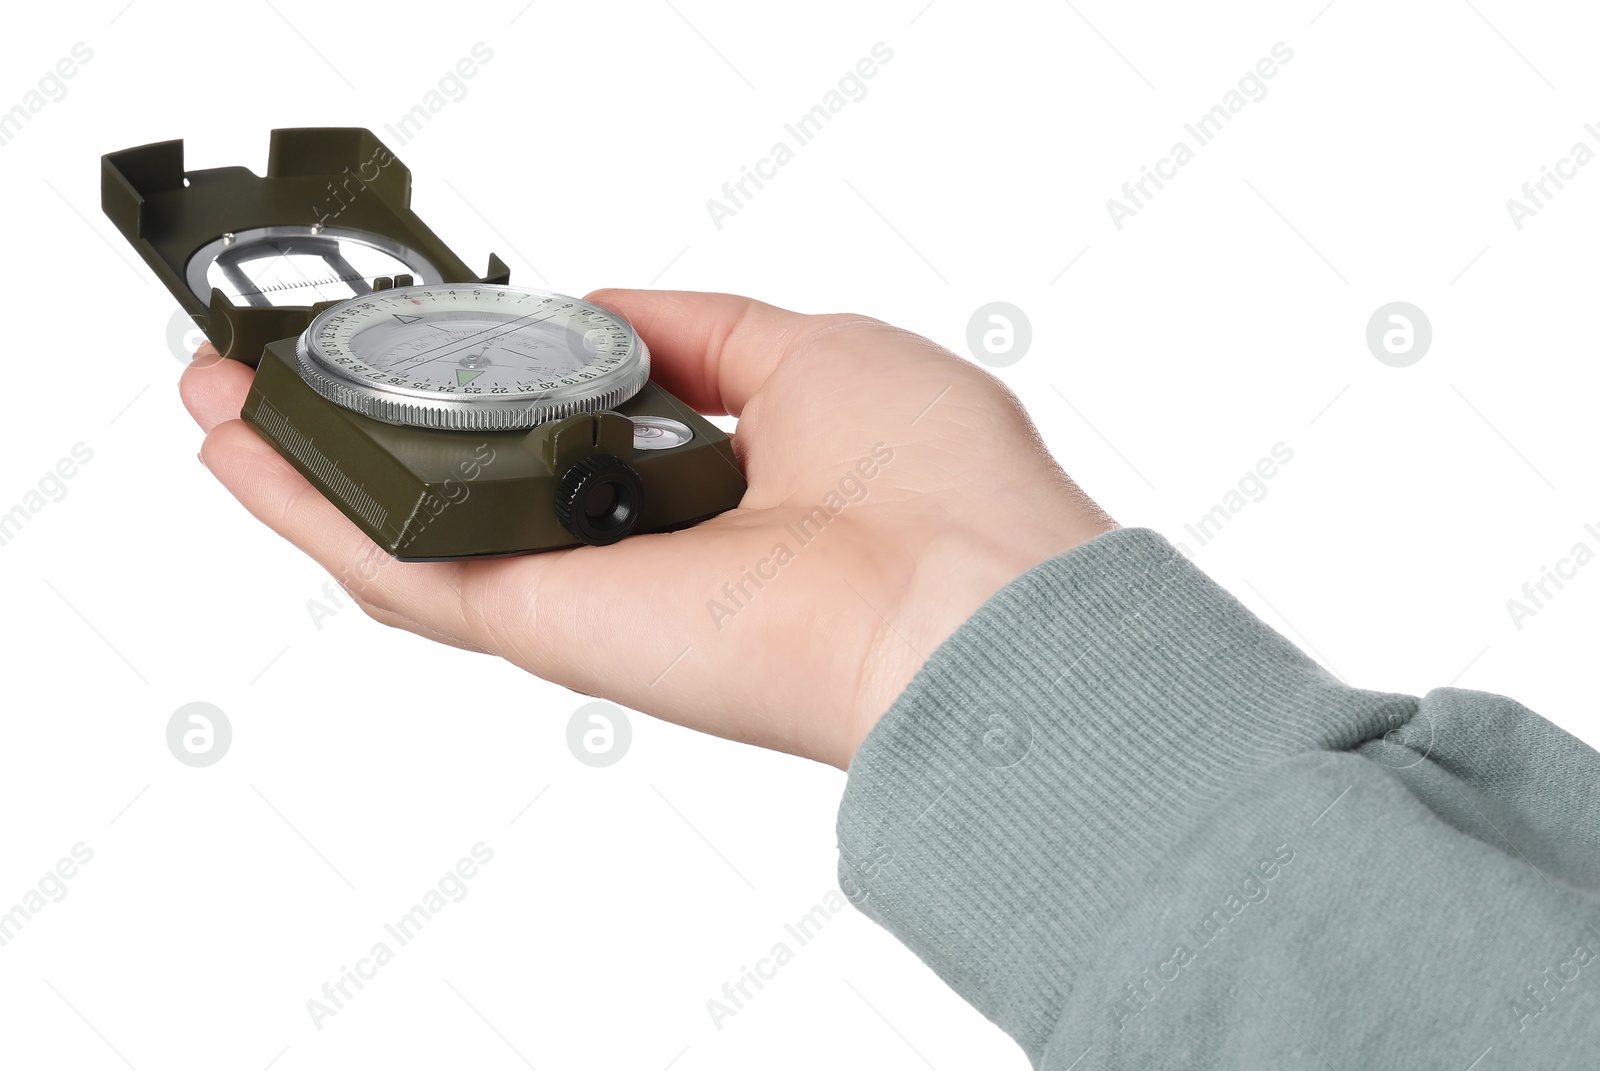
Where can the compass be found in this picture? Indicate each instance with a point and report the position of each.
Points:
(448, 415)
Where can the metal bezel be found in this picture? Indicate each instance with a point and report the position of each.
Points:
(395, 404)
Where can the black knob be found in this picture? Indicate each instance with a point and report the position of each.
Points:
(600, 499)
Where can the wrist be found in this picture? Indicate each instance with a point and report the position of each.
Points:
(955, 576)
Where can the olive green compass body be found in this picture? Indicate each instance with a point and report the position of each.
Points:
(447, 414)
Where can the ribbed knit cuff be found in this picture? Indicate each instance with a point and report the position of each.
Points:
(1054, 749)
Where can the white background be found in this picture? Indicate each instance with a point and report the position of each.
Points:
(1227, 316)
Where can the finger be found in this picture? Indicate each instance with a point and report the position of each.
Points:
(423, 593)
(213, 388)
(711, 350)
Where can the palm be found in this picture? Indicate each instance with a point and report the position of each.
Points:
(876, 463)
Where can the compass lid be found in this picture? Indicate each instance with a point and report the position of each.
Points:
(248, 256)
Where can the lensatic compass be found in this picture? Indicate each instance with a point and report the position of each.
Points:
(448, 415)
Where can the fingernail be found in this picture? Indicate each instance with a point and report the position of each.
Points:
(202, 461)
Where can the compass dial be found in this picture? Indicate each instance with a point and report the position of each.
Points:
(472, 356)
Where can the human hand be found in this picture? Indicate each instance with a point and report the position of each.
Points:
(893, 488)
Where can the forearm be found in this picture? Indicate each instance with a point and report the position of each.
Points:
(1129, 822)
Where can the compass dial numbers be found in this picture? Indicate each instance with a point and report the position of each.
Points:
(493, 348)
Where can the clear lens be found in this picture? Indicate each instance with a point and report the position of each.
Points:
(273, 267)
(659, 433)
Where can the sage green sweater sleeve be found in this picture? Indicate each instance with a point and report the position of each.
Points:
(1137, 828)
